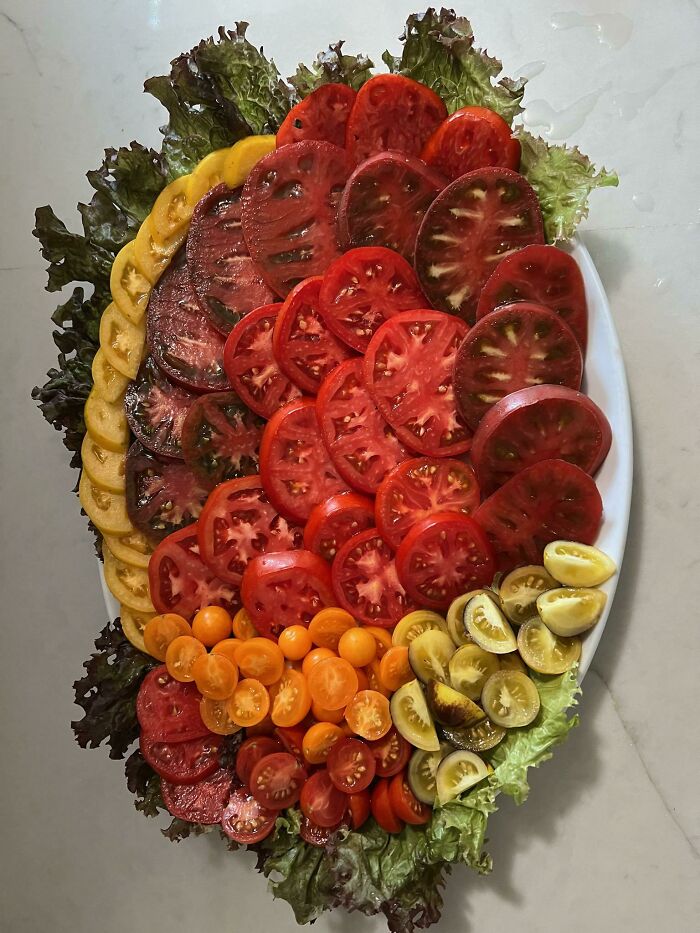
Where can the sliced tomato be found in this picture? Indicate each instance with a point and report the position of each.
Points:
(469, 139)
(156, 410)
(220, 438)
(168, 710)
(362, 445)
(276, 780)
(252, 750)
(517, 346)
(239, 523)
(419, 487)
(382, 810)
(392, 112)
(391, 753)
(539, 423)
(322, 115)
(225, 279)
(351, 765)
(321, 801)
(409, 368)
(543, 274)
(365, 287)
(332, 522)
(385, 200)
(285, 588)
(244, 820)
(181, 338)
(290, 203)
(203, 802)
(161, 495)
(366, 583)
(180, 581)
(292, 738)
(182, 762)
(304, 347)
(296, 469)
(547, 501)
(314, 834)
(251, 364)
(404, 802)
(474, 223)
(443, 556)
(359, 807)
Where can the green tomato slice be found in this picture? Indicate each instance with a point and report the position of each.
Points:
(488, 626)
(429, 655)
(519, 591)
(470, 667)
(510, 699)
(458, 772)
(577, 564)
(422, 769)
(411, 716)
(568, 611)
(545, 652)
(414, 624)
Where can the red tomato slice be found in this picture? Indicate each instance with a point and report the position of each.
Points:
(203, 802)
(315, 835)
(543, 274)
(474, 223)
(333, 522)
(156, 410)
(321, 801)
(167, 710)
(544, 502)
(290, 202)
(366, 583)
(384, 202)
(322, 115)
(292, 739)
(237, 524)
(469, 139)
(276, 780)
(409, 368)
(359, 806)
(365, 287)
(295, 467)
(514, 347)
(182, 762)
(391, 753)
(362, 445)
(251, 365)
(253, 750)
(286, 588)
(405, 804)
(302, 344)
(382, 810)
(540, 423)
(245, 821)
(351, 766)
(443, 556)
(392, 112)
(417, 488)
(181, 582)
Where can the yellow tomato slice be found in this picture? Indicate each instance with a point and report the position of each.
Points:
(129, 286)
(106, 422)
(107, 510)
(133, 548)
(545, 652)
(172, 210)
(152, 254)
(577, 564)
(242, 157)
(133, 625)
(127, 584)
(210, 170)
(104, 467)
(121, 341)
(108, 381)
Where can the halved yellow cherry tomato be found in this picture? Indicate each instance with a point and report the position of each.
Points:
(290, 697)
(545, 652)
(510, 699)
(211, 625)
(121, 341)
(249, 704)
(470, 667)
(394, 668)
(577, 564)
(318, 740)
(260, 659)
(109, 383)
(519, 591)
(211, 169)
(106, 468)
(414, 624)
(328, 625)
(382, 637)
(368, 715)
(152, 254)
(134, 548)
(126, 583)
(106, 423)
(295, 642)
(107, 510)
(243, 627)
(161, 631)
(215, 716)
(569, 611)
(181, 655)
(215, 676)
(134, 625)
(242, 157)
(129, 286)
(173, 207)
(228, 647)
(358, 646)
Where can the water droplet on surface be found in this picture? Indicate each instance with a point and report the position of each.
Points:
(530, 70)
(560, 124)
(612, 29)
(643, 202)
(663, 283)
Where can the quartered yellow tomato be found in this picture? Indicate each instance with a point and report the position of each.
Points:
(129, 286)
(488, 626)
(152, 254)
(545, 652)
(106, 422)
(510, 699)
(457, 772)
(570, 611)
(106, 468)
(127, 584)
(134, 625)
(411, 716)
(578, 564)
(121, 341)
(519, 590)
(107, 510)
(132, 548)
(210, 171)
(414, 624)
(470, 667)
(455, 618)
(243, 155)
(109, 383)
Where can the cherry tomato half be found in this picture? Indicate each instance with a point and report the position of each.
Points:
(382, 810)
(351, 766)
(321, 801)
(404, 802)
(276, 780)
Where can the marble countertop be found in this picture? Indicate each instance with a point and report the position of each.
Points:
(610, 838)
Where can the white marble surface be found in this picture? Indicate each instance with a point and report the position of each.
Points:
(610, 838)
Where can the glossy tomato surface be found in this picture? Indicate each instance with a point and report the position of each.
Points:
(333, 522)
(167, 710)
(322, 115)
(182, 762)
(156, 409)
(321, 801)
(469, 139)
(244, 820)
(202, 802)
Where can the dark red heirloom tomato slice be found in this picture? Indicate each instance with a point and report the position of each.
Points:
(167, 710)
(290, 203)
(351, 765)
(385, 200)
(156, 409)
(315, 835)
(443, 556)
(181, 582)
(417, 488)
(540, 423)
(180, 335)
(391, 753)
(239, 523)
(305, 349)
(276, 780)
(549, 500)
(474, 223)
(323, 115)
(382, 810)
(161, 495)
(405, 804)
(362, 445)
(409, 368)
(182, 762)
(226, 280)
(359, 807)
(392, 112)
(251, 365)
(252, 750)
(220, 438)
(321, 801)
(245, 821)
(296, 469)
(285, 588)
(366, 583)
(363, 288)
(514, 347)
(543, 274)
(332, 522)
(469, 139)
(203, 802)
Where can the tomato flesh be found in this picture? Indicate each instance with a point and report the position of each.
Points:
(276, 780)
(359, 807)
(156, 410)
(167, 710)
(382, 810)
(321, 801)
(351, 766)
(333, 522)
(469, 139)
(391, 753)
(244, 820)
(314, 834)
(203, 802)
(323, 115)
(182, 762)
(252, 750)
(405, 804)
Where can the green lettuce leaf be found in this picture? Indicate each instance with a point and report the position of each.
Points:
(332, 67)
(144, 784)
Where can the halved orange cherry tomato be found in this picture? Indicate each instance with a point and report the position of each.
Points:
(382, 636)
(382, 810)
(261, 659)
(357, 646)
(328, 625)
(314, 656)
(394, 669)
(374, 678)
(359, 807)
(333, 683)
(161, 631)
(228, 647)
(295, 642)
(291, 700)
(351, 765)
(336, 716)
(368, 715)
(215, 676)
(181, 655)
(215, 716)
(249, 703)
(243, 627)
(404, 802)
(319, 740)
(211, 625)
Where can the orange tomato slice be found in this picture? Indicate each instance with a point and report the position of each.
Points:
(215, 716)
(394, 668)
(336, 716)
(328, 625)
(314, 656)
(319, 740)
(333, 683)
(249, 703)
(243, 627)
(368, 715)
(228, 647)
(374, 678)
(260, 659)
(181, 655)
(291, 699)
(215, 676)
(161, 631)
(382, 636)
